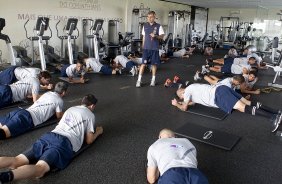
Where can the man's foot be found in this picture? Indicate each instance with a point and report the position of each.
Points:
(197, 77)
(132, 71)
(209, 62)
(153, 83)
(187, 83)
(176, 79)
(167, 83)
(138, 84)
(205, 69)
(277, 122)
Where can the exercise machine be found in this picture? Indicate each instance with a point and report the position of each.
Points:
(113, 46)
(178, 23)
(91, 37)
(278, 70)
(42, 24)
(139, 17)
(227, 31)
(277, 67)
(69, 29)
(6, 38)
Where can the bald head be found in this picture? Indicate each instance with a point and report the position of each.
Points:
(166, 133)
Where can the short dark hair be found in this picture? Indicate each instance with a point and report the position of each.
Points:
(80, 62)
(44, 74)
(255, 69)
(89, 100)
(151, 13)
(61, 87)
(82, 58)
(252, 58)
(239, 78)
(253, 72)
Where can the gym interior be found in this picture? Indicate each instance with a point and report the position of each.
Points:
(232, 148)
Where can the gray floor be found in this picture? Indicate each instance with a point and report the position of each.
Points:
(132, 118)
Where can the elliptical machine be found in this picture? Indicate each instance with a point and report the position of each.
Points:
(68, 29)
(90, 41)
(8, 42)
(42, 24)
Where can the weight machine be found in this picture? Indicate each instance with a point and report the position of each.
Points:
(178, 23)
(227, 31)
(139, 17)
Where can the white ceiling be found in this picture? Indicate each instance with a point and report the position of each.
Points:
(232, 3)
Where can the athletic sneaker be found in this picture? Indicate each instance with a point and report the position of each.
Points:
(209, 62)
(197, 77)
(132, 71)
(138, 84)
(179, 86)
(186, 83)
(119, 71)
(205, 69)
(153, 83)
(277, 122)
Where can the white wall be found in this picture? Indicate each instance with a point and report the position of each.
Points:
(17, 12)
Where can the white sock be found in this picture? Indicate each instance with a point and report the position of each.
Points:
(153, 78)
(139, 77)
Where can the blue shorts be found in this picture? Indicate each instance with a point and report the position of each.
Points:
(130, 64)
(54, 149)
(6, 96)
(64, 70)
(18, 121)
(181, 175)
(226, 68)
(8, 76)
(106, 70)
(151, 57)
(226, 98)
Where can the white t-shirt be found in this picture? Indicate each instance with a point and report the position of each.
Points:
(24, 88)
(226, 82)
(169, 153)
(122, 60)
(161, 31)
(72, 72)
(232, 53)
(240, 61)
(161, 51)
(74, 125)
(201, 94)
(179, 53)
(45, 107)
(249, 84)
(138, 61)
(21, 72)
(94, 64)
(258, 58)
(238, 68)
